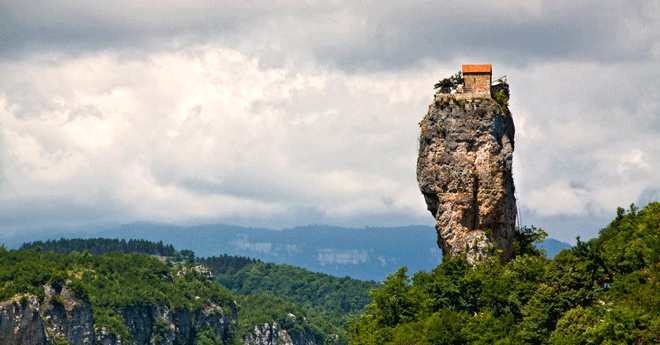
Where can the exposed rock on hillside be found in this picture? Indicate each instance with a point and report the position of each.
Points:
(203, 271)
(20, 322)
(150, 324)
(67, 316)
(464, 172)
(271, 334)
(23, 320)
(63, 316)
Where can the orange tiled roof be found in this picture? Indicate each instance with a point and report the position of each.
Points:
(477, 69)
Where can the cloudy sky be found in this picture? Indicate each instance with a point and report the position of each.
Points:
(283, 113)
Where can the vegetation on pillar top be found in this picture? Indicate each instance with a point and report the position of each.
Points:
(451, 82)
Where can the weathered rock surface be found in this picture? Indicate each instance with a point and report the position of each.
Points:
(464, 171)
(62, 315)
(20, 322)
(203, 271)
(271, 334)
(70, 318)
(150, 324)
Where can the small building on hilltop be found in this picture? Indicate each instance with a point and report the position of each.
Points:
(477, 78)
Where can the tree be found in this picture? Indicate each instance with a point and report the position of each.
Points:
(524, 239)
(452, 81)
(206, 336)
(393, 304)
(188, 255)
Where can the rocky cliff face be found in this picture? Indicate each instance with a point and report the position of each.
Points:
(149, 324)
(67, 316)
(464, 172)
(63, 316)
(20, 322)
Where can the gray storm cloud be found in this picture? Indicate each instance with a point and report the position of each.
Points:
(367, 34)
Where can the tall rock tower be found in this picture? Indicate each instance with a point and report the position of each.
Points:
(464, 172)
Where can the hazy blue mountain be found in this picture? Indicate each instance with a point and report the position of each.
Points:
(552, 246)
(366, 253)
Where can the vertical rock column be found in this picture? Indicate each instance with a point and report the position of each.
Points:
(464, 171)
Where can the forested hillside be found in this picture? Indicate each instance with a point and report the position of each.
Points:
(265, 292)
(603, 291)
(371, 253)
(331, 303)
(317, 291)
(129, 297)
(227, 264)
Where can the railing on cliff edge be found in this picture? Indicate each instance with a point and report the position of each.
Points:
(499, 80)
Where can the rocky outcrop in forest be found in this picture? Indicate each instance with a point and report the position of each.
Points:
(52, 298)
(272, 334)
(23, 320)
(20, 322)
(172, 326)
(464, 171)
(64, 317)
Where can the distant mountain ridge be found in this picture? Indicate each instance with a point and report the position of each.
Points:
(552, 246)
(362, 253)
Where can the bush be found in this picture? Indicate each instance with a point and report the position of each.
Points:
(452, 81)
(501, 99)
(57, 300)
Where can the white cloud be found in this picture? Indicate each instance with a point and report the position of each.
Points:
(586, 134)
(210, 133)
(558, 198)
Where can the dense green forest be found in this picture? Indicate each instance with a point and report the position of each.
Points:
(260, 308)
(316, 291)
(102, 246)
(330, 303)
(227, 264)
(223, 264)
(603, 291)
